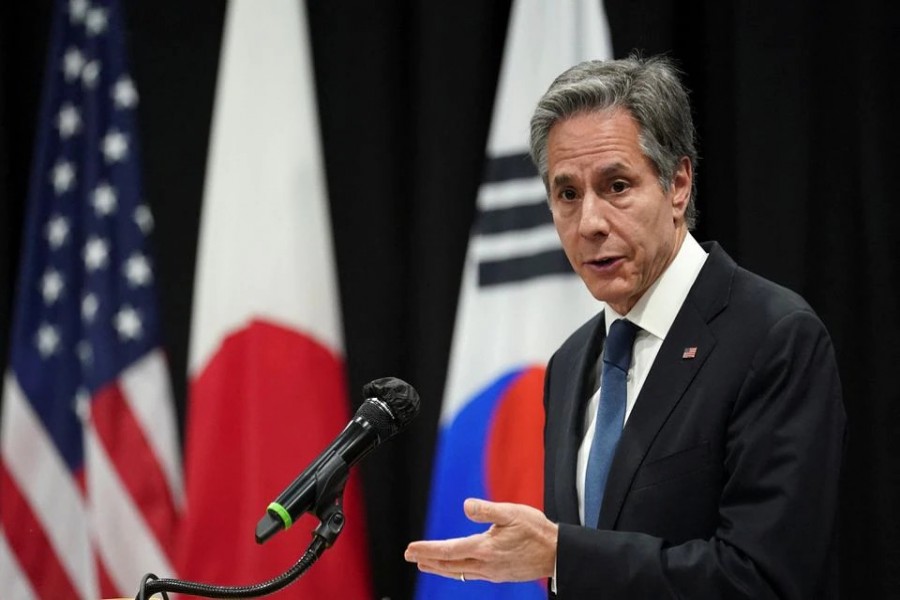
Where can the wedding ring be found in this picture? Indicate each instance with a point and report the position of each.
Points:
(462, 577)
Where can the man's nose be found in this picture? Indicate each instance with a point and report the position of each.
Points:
(594, 216)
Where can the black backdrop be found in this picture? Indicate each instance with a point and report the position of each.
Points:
(795, 103)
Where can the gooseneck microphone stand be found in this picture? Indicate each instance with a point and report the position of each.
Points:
(331, 523)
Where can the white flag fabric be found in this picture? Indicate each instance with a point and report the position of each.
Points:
(267, 380)
(519, 297)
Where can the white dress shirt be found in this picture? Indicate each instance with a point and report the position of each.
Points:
(654, 313)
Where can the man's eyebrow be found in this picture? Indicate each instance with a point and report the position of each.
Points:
(561, 179)
(613, 169)
(609, 170)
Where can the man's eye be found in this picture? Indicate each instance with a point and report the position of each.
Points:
(618, 187)
(568, 194)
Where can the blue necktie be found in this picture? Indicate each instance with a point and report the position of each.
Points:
(610, 415)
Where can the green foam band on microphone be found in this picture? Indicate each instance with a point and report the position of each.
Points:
(282, 513)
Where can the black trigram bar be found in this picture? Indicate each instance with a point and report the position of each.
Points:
(521, 268)
(513, 218)
(511, 166)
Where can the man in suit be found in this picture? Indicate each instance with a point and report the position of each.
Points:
(694, 428)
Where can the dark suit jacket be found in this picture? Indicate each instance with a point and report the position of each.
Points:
(725, 480)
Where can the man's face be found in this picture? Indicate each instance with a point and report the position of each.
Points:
(618, 228)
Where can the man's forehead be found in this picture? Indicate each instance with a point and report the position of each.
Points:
(609, 139)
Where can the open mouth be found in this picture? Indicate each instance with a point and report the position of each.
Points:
(605, 262)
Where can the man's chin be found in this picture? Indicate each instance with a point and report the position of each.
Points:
(613, 300)
(619, 299)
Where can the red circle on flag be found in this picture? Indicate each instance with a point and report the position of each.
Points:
(514, 452)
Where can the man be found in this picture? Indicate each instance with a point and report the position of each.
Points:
(723, 481)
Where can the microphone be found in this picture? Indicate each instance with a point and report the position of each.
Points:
(389, 407)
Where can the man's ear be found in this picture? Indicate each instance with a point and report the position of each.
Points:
(682, 184)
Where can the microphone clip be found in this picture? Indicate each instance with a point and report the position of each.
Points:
(330, 480)
(331, 523)
(330, 483)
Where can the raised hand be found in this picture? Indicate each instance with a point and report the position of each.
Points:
(520, 545)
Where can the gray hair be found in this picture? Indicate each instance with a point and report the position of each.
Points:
(648, 88)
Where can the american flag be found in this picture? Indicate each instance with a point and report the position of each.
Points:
(90, 474)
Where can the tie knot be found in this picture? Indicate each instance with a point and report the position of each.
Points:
(617, 350)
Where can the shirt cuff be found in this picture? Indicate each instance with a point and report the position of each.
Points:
(553, 579)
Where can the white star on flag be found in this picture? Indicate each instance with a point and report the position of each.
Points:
(63, 176)
(73, 62)
(47, 340)
(144, 218)
(85, 352)
(77, 10)
(124, 93)
(96, 254)
(90, 74)
(68, 121)
(57, 231)
(83, 405)
(51, 286)
(137, 270)
(128, 323)
(115, 146)
(95, 22)
(103, 199)
(89, 306)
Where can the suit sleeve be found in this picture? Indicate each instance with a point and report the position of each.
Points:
(783, 449)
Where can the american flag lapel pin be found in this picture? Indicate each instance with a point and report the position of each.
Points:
(689, 352)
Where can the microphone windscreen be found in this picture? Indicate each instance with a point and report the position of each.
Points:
(401, 398)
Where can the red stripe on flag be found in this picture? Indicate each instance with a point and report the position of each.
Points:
(80, 483)
(25, 534)
(108, 589)
(135, 462)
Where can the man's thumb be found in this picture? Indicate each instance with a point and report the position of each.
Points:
(483, 511)
(480, 511)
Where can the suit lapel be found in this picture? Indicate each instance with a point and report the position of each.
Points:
(669, 378)
(573, 402)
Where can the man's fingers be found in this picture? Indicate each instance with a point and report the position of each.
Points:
(453, 568)
(443, 550)
(427, 567)
(482, 511)
(450, 573)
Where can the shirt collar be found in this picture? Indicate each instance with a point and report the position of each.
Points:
(655, 311)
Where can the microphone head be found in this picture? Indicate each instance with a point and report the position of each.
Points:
(401, 399)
